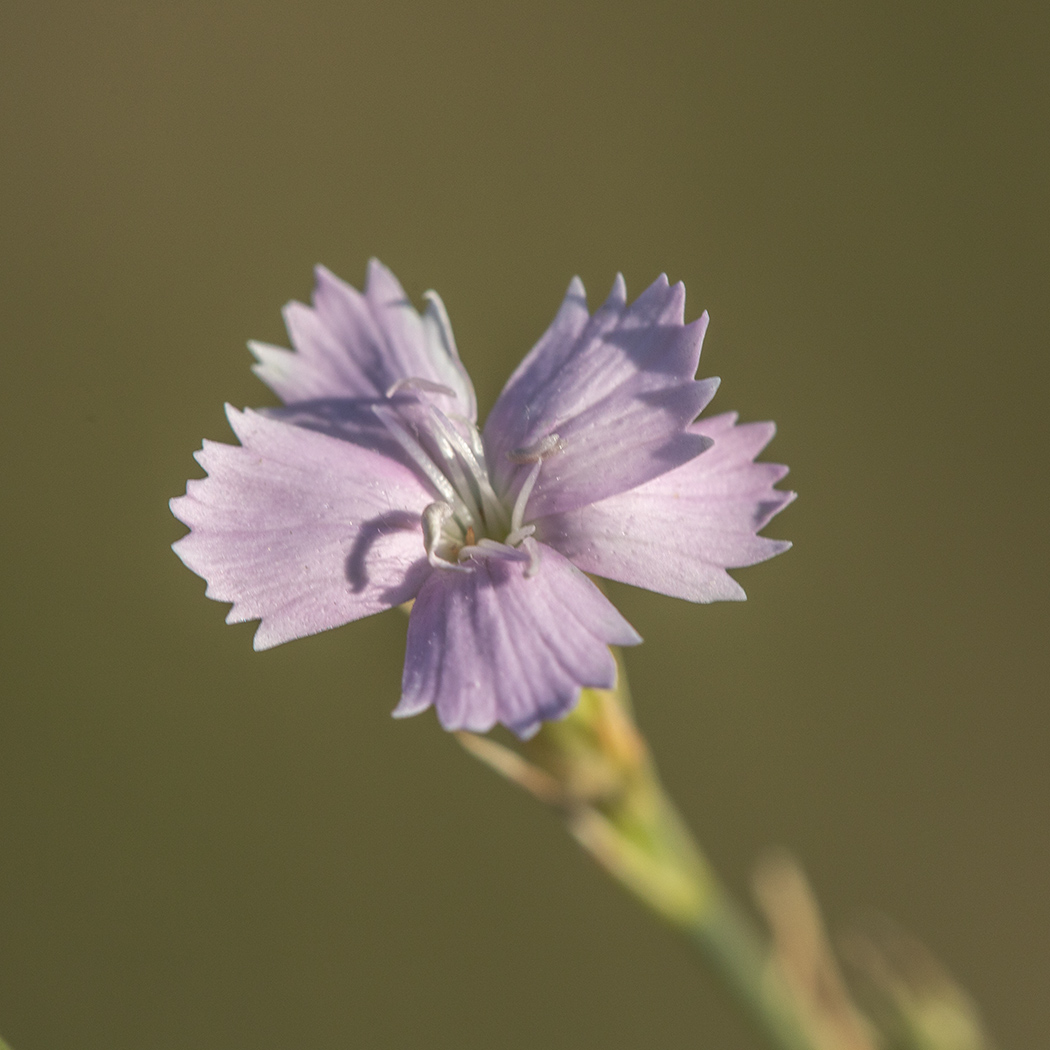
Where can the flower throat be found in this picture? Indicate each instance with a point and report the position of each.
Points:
(469, 522)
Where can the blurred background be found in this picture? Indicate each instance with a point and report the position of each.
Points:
(202, 846)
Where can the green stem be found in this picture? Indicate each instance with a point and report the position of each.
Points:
(731, 946)
(642, 841)
(594, 766)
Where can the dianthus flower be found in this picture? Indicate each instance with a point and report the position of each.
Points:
(373, 485)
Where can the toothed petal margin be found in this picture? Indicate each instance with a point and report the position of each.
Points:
(678, 533)
(351, 344)
(495, 645)
(301, 530)
(616, 387)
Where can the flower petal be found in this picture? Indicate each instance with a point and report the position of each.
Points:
(301, 530)
(678, 533)
(494, 645)
(616, 388)
(350, 345)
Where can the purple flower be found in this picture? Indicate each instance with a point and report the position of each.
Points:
(373, 486)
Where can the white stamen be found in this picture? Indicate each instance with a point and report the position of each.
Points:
(493, 511)
(486, 548)
(451, 455)
(515, 537)
(459, 480)
(517, 515)
(532, 548)
(419, 383)
(419, 456)
(531, 453)
(433, 520)
(473, 436)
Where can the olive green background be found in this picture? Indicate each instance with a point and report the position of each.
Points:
(206, 847)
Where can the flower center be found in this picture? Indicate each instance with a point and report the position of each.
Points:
(469, 521)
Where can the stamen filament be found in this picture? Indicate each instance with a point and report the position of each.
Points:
(419, 456)
(453, 461)
(515, 537)
(461, 482)
(473, 436)
(493, 510)
(518, 514)
(532, 548)
(492, 549)
(419, 383)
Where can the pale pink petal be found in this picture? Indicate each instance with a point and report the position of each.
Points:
(494, 645)
(315, 519)
(618, 390)
(354, 345)
(678, 533)
(301, 530)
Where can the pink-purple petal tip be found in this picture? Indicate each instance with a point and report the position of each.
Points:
(498, 646)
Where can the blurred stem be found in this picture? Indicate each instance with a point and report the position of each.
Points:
(594, 766)
(660, 863)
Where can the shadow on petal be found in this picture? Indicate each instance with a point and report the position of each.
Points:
(368, 535)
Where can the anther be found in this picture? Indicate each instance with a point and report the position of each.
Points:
(419, 383)
(514, 538)
(434, 518)
(539, 450)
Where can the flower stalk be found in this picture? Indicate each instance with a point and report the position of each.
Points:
(595, 768)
